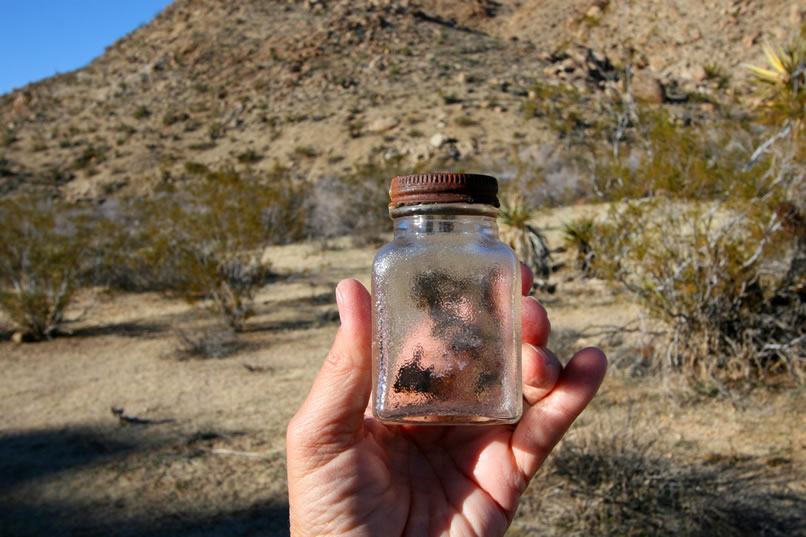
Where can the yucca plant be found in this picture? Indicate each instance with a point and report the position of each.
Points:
(578, 236)
(784, 80)
(525, 240)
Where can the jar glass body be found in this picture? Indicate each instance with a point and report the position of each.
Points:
(446, 323)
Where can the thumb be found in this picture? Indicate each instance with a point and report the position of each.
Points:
(333, 412)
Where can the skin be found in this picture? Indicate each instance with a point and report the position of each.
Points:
(349, 474)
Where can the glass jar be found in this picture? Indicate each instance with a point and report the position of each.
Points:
(447, 309)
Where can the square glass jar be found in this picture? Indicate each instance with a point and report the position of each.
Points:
(446, 308)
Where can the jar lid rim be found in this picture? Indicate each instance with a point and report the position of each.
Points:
(468, 188)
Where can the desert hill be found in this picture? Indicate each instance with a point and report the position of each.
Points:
(321, 86)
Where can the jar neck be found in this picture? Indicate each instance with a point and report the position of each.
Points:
(426, 224)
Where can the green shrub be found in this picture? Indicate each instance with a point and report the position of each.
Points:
(662, 157)
(560, 106)
(355, 129)
(465, 121)
(215, 130)
(172, 117)
(205, 241)
(696, 233)
(44, 259)
(141, 112)
(7, 138)
(713, 71)
(202, 146)
(196, 168)
(249, 156)
(305, 151)
(89, 156)
(5, 167)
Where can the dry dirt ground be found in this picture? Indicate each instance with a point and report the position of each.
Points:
(209, 458)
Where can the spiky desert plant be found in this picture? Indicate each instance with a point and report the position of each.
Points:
(784, 80)
(525, 240)
(578, 236)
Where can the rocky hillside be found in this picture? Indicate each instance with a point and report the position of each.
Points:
(322, 86)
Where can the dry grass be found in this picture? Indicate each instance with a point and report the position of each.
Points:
(619, 480)
(215, 340)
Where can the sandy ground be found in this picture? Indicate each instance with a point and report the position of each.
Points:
(210, 460)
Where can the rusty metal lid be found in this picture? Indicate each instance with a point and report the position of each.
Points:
(443, 188)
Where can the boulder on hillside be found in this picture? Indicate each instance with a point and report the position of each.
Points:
(646, 87)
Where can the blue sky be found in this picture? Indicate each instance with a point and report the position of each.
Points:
(39, 38)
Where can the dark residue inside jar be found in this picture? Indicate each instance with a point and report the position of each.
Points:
(464, 318)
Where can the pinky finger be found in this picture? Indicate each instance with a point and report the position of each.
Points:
(546, 422)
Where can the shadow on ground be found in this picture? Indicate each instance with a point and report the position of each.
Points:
(31, 461)
(268, 520)
(133, 330)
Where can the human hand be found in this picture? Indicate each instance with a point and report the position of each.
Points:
(349, 474)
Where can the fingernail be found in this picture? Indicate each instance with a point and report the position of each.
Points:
(535, 300)
(339, 298)
(547, 356)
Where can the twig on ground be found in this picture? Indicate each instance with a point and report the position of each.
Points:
(125, 419)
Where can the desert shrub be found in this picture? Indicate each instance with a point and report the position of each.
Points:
(563, 108)
(196, 168)
(306, 151)
(206, 240)
(698, 233)
(249, 156)
(191, 236)
(5, 167)
(726, 278)
(216, 130)
(172, 116)
(141, 112)
(7, 138)
(355, 128)
(45, 257)
(465, 121)
(665, 158)
(714, 71)
(354, 204)
(615, 481)
(449, 97)
(89, 156)
(210, 341)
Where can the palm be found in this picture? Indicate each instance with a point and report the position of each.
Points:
(431, 480)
